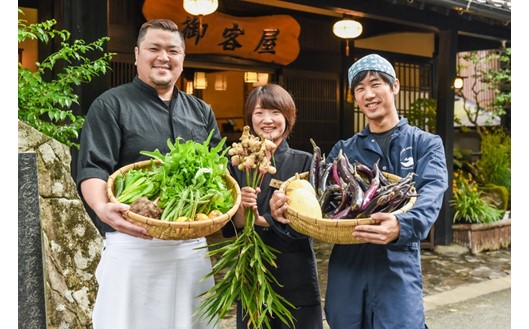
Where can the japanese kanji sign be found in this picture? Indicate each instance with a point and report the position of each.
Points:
(272, 39)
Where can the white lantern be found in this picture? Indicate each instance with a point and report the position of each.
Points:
(347, 29)
(200, 7)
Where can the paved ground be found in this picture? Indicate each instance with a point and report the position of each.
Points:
(461, 290)
(448, 267)
(487, 311)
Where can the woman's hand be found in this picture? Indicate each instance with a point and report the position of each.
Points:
(278, 206)
(249, 196)
(249, 200)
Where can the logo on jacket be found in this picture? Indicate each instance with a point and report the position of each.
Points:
(408, 162)
(406, 158)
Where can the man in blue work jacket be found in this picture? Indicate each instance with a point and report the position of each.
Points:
(378, 284)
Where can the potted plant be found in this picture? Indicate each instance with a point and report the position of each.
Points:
(470, 207)
(480, 196)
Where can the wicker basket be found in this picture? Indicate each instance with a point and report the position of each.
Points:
(176, 230)
(338, 231)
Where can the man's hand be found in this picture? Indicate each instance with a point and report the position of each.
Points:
(278, 206)
(386, 229)
(94, 192)
(112, 214)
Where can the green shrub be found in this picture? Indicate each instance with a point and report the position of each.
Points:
(496, 195)
(45, 104)
(423, 114)
(494, 163)
(463, 160)
(468, 202)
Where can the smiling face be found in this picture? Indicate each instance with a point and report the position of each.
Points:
(160, 59)
(271, 112)
(269, 122)
(376, 99)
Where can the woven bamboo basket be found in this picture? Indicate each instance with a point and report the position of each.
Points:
(176, 230)
(337, 231)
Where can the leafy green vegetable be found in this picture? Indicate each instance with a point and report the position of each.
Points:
(189, 179)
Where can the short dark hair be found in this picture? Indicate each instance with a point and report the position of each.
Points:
(161, 24)
(272, 96)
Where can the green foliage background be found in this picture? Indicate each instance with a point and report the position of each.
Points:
(45, 104)
(494, 163)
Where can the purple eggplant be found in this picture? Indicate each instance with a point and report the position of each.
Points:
(314, 171)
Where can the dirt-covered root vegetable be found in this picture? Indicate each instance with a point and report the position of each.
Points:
(146, 207)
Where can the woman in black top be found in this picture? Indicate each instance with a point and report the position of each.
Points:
(270, 110)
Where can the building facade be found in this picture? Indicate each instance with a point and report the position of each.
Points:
(292, 43)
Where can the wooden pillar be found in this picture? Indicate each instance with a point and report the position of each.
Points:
(88, 20)
(346, 121)
(446, 69)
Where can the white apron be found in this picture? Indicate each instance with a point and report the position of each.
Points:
(150, 284)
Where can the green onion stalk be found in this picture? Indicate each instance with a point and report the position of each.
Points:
(244, 262)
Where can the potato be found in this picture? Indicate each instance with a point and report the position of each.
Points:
(201, 216)
(215, 214)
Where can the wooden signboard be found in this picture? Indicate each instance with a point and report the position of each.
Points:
(270, 39)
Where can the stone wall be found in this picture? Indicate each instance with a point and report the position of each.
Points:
(71, 244)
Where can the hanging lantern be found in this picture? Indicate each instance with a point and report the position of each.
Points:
(221, 82)
(200, 7)
(347, 29)
(189, 87)
(200, 81)
(250, 77)
(262, 79)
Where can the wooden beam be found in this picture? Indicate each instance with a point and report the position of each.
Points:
(412, 14)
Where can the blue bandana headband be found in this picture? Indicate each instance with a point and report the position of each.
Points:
(372, 62)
